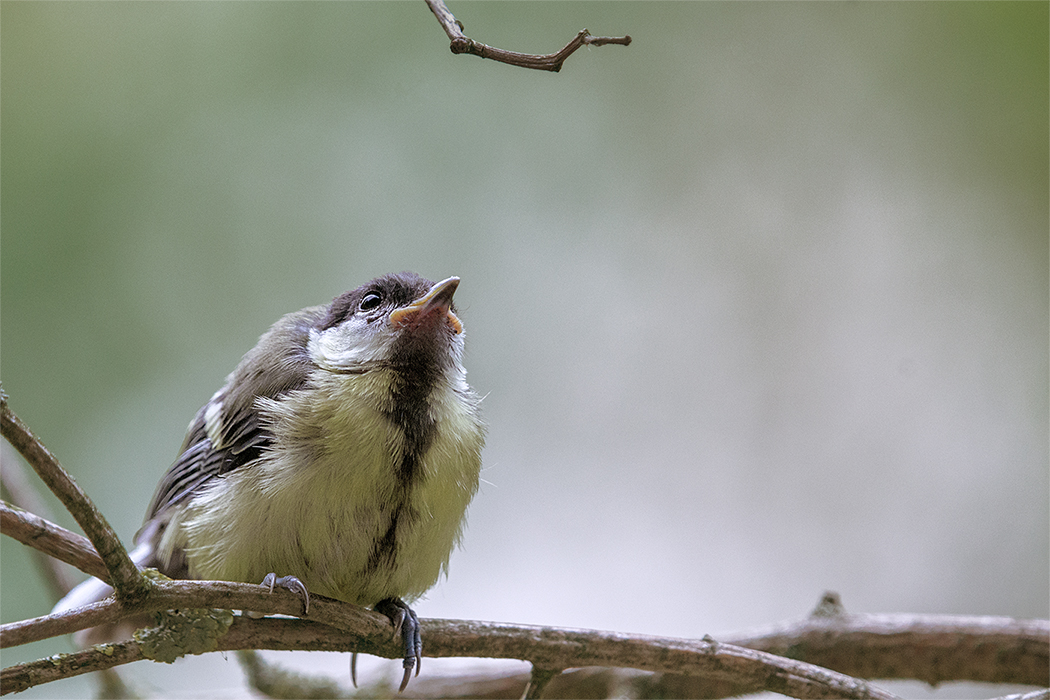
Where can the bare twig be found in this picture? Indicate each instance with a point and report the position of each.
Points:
(55, 541)
(13, 634)
(16, 488)
(129, 584)
(15, 679)
(76, 549)
(461, 43)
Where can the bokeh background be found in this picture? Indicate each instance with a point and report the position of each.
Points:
(759, 304)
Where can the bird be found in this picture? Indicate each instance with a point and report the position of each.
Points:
(338, 458)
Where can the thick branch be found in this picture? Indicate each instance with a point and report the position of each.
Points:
(572, 647)
(930, 648)
(172, 595)
(461, 43)
(127, 581)
(712, 662)
(559, 648)
(368, 632)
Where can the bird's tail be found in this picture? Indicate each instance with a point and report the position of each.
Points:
(93, 590)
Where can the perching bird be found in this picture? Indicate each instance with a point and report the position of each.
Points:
(339, 456)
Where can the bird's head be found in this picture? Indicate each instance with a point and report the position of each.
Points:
(392, 321)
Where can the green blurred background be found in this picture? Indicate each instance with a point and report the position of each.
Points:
(759, 303)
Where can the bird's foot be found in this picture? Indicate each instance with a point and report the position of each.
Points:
(292, 584)
(405, 624)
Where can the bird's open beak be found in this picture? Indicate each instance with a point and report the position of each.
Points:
(436, 302)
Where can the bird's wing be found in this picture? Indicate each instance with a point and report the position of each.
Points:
(227, 432)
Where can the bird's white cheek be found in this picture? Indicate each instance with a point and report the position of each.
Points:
(347, 346)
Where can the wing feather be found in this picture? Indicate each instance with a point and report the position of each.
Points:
(278, 364)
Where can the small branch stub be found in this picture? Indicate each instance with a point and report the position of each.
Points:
(538, 681)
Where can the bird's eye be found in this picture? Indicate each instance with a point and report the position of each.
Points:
(370, 301)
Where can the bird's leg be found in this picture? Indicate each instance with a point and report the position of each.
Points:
(292, 584)
(407, 625)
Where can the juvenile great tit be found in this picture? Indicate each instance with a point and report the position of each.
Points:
(338, 458)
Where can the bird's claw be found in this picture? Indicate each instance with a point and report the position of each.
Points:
(292, 584)
(406, 625)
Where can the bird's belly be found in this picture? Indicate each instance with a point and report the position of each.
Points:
(348, 529)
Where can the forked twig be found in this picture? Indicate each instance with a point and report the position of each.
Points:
(461, 43)
(128, 583)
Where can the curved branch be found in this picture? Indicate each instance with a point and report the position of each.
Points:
(129, 584)
(461, 43)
